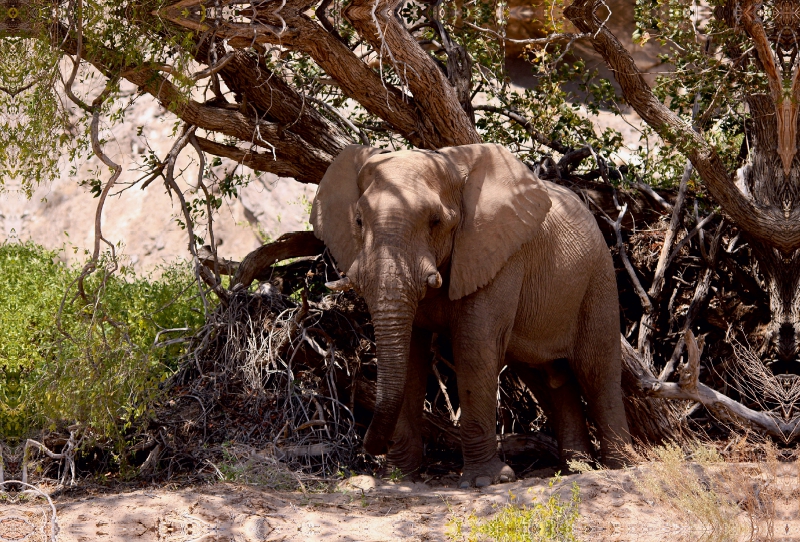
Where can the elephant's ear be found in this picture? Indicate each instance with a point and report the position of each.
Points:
(503, 205)
(332, 213)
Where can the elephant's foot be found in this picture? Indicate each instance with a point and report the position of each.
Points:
(493, 471)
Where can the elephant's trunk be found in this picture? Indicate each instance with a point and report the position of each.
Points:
(393, 337)
(392, 305)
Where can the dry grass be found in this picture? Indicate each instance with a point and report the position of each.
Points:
(692, 482)
(736, 492)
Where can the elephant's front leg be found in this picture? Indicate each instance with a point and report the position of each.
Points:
(405, 448)
(479, 344)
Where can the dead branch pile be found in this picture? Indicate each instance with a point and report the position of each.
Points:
(269, 371)
(690, 276)
(292, 377)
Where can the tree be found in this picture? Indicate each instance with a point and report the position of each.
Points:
(748, 44)
(282, 86)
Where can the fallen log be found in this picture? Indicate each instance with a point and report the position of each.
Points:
(652, 420)
(257, 265)
(644, 384)
(219, 265)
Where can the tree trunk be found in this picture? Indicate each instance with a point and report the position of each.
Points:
(766, 222)
(651, 420)
(782, 282)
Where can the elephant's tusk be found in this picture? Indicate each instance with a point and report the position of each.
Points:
(435, 280)
(340, 285)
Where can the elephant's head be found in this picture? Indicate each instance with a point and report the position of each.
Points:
(396, 221)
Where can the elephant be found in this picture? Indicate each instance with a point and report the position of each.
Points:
(468, 241)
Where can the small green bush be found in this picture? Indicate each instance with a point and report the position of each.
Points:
(543, 521)
(97, 364)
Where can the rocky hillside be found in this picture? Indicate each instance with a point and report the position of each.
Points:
(143, 222)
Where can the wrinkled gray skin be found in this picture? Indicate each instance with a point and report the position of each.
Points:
(468, 241)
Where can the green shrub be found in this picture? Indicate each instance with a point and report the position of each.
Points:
(542, 521)
(97, 363)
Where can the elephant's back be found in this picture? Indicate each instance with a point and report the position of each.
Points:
(570, 232)
(570, 214)
(567, 258)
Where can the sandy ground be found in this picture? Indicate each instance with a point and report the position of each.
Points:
(361, 509)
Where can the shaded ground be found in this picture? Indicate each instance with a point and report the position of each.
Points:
(365, 509)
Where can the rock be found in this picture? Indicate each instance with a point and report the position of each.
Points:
(360, 482)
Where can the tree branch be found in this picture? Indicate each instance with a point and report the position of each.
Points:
(697, 303)
(527, 125)
(433, 94)
(785, 109)
(289, 245)
(765, 223)
(309, 161)
(260, 161)
(647, 189)
(654, 293)
(722, 406)
(637, 285)
(268, 94)
(357, 80)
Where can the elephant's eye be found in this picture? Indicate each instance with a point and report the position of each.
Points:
(435, 220)
(358, 222)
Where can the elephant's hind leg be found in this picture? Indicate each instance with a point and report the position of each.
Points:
(405, 447)
(598, 367)
(559, 396)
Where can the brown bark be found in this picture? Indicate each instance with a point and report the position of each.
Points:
(275, 117)
(764, 199)
(264, 92)
(288, 245)
(763, 177)
(698, 304)
(435, 97)
(784, 108)
(261, 161)
(651, 420)
(293, 156)
(357, 80)
(287, 146)
(782, 280)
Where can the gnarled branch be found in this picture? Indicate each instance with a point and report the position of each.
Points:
(689, 389)
(767, 223)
